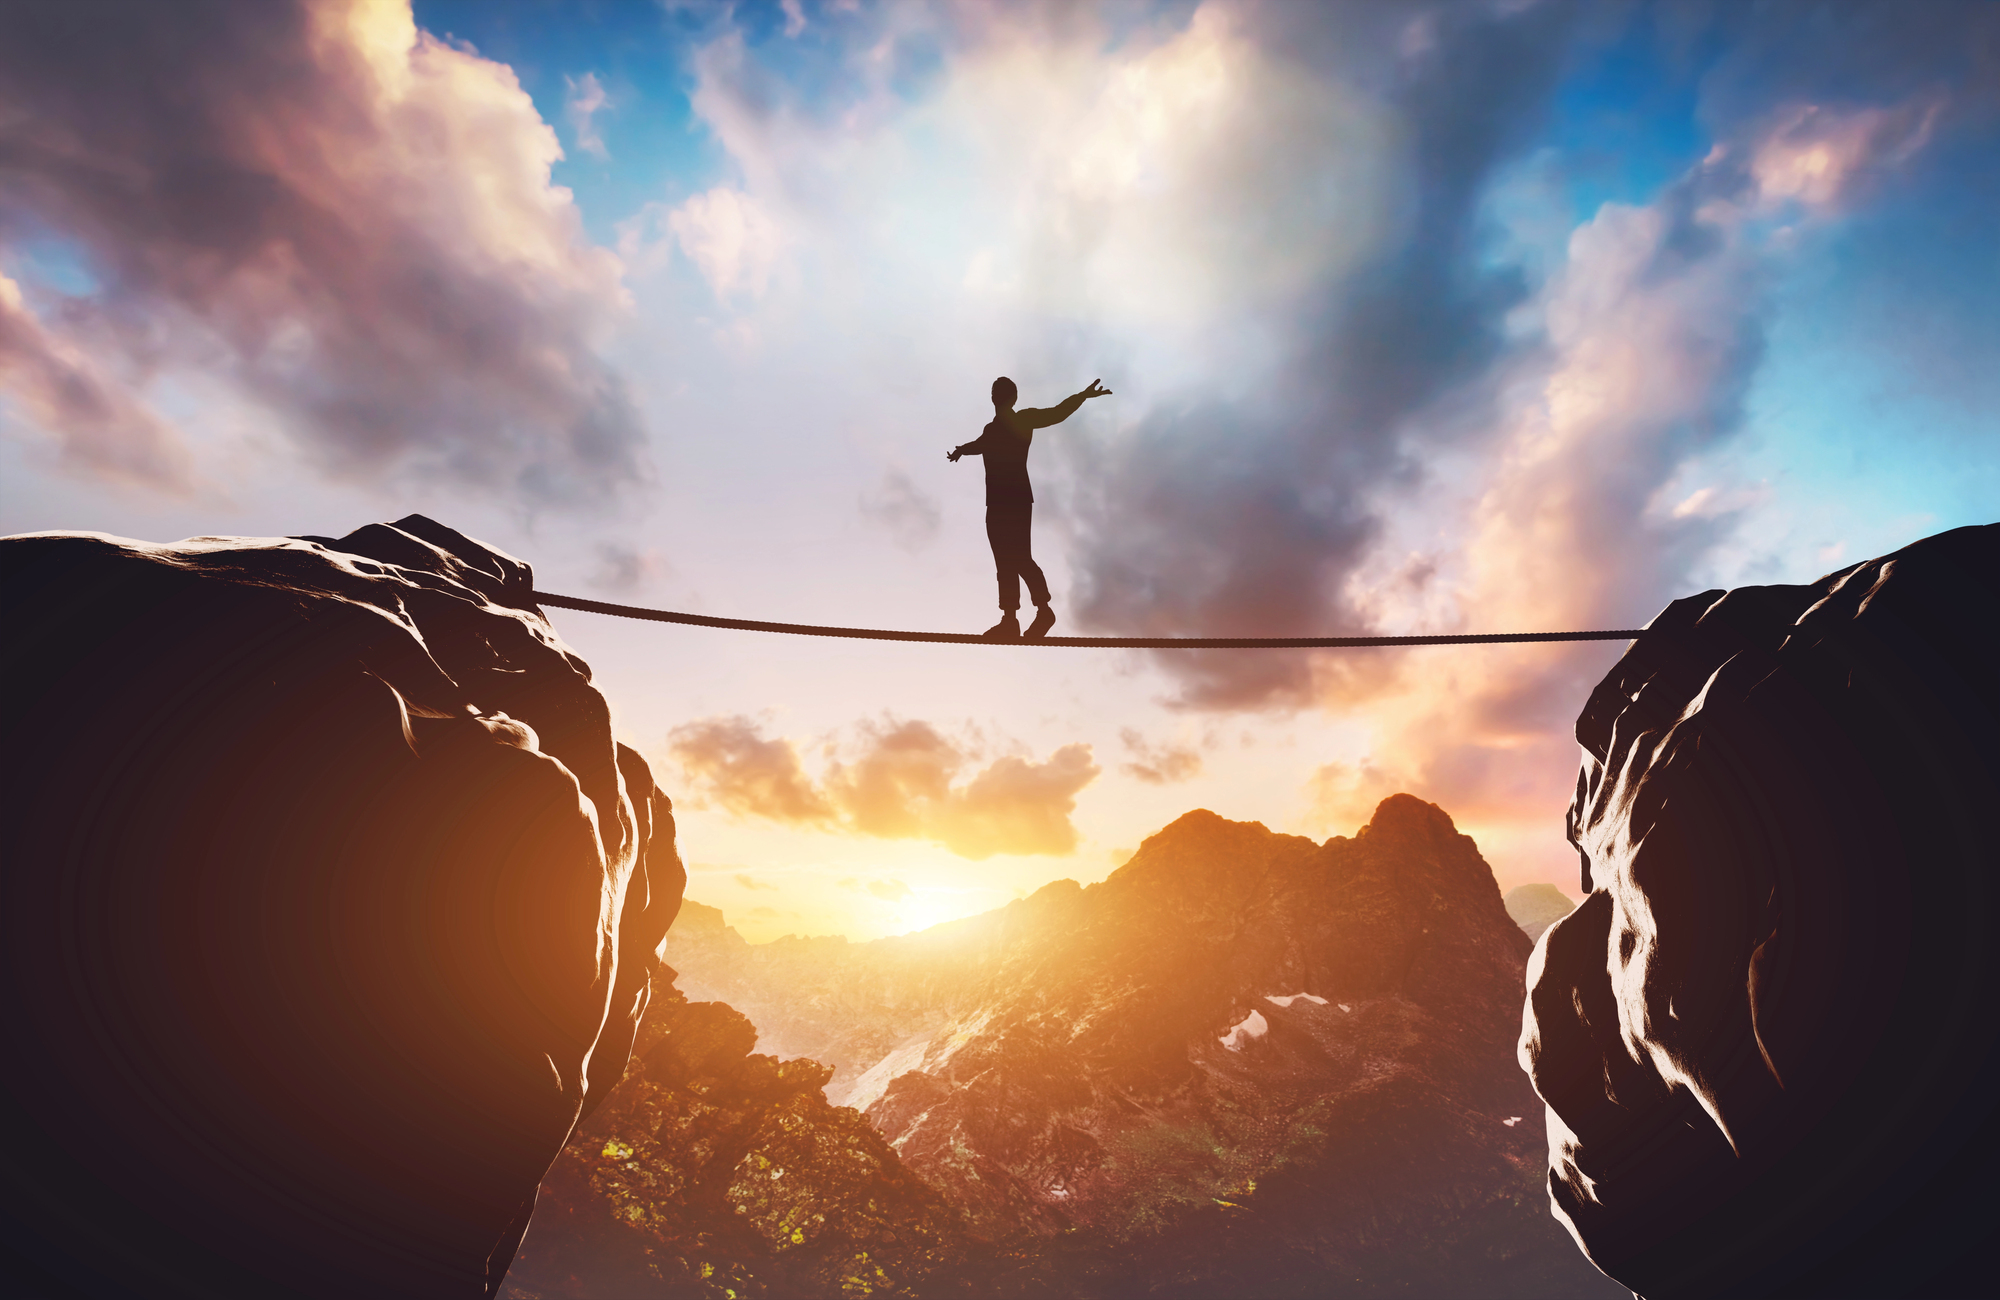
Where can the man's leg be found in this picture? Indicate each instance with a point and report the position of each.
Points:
(1038, 585)
(1000, 536)
(1006, 535)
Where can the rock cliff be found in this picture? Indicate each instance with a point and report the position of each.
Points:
(1245, 1064)
(329, 906)
(1767, 1037)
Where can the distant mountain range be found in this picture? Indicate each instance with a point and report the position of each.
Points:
(1245, 1064)
(1537, 907)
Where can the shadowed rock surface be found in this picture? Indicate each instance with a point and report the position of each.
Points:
(1246, 1064)
(1767, 1037)
(320, 861)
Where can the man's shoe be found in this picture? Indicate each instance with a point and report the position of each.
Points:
(1007, 629)
(1045, 618)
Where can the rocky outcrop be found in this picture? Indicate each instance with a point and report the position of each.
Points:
(329, 904)
(1245, 1064)
(1537, 907)
(1767, 1037)
(719, 1174)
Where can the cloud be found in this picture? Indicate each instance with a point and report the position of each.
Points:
(1016, 806)
(345, 219)
(1786, 53)
(748, 881)
(586, 100)
(898, 781)
(625, 570)
(1814, 154)
(1249, 515)
(101, 428)
(1159, 764)
(1589, 510)
(1196, 174)
(900, 787)
(738, 769)
(910, 515)
(729, 236)
(1351, 492)
(903, 772)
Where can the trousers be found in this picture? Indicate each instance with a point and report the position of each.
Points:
(1007, 527)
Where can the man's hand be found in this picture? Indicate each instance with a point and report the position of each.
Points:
(954, 453)
(1096, 389)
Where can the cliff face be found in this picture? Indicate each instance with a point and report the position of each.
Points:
(323, 882)
(1767, 1037)
(1245, 1064)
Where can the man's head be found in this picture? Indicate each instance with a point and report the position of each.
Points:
(1004, 392)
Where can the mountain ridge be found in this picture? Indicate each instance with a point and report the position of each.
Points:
(1242, 1060)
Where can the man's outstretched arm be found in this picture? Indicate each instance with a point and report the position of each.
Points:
(977, 447)
(1043, 417)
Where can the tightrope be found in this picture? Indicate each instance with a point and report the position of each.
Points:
(1098, 642)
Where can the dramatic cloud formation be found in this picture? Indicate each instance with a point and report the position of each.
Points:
(1588, 508)
(346, 218)
(1457, 316)
(1389, 417)
(1246, 517)
(1294, 510)
(900, 785)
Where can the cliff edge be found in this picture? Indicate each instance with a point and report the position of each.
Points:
(1767, 1037)
(323, 884)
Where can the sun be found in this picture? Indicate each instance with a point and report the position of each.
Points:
(928, 907)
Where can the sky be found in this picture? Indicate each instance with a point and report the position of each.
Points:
(1507, 315)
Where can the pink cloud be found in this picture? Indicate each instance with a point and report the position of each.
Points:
(345, 218)
(100, 427)
(900, 781)
(1813, 155)
(1578, 516)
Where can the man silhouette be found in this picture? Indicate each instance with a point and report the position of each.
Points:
(1010, 501)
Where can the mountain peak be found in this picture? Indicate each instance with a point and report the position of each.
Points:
(1201, 854)
(1197, 821)
(1407, 815)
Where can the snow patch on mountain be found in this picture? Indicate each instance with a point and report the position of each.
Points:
(1250, 1027)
